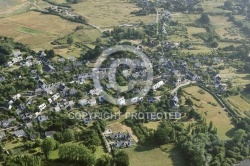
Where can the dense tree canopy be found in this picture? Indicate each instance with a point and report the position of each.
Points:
(77, 154)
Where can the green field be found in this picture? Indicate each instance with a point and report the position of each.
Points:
(167, 155)
(28, 31)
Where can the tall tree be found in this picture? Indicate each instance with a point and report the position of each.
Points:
(204, 19)
(70, 40)
(76, 154)
(238, 135)
(210, 126)
(105, 160)
(121, 158)
(24, 161)
(68, 135)
(47, 146)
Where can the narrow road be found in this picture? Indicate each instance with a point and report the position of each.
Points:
(38, 7)
(157, 21)
(181, 85)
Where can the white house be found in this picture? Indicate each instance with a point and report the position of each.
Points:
(50, 100)
(17, 96)
(121, 101)
(96, 91)
(92, 102)
(29, 57)
(10, 63)
(56, 96)
(222, 87)
(28, 64)
(158, 85)
(17, 59)
(33, 71)
(136, 99)
(38, 62)
(83, 102)
(42, 106)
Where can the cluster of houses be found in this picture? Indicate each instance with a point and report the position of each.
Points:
(17, 58)
(118, 140)
(59, 92)
(63, 11)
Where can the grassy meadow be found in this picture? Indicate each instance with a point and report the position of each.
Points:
(152, 125)
(240, 104)
(110, 12)
(211, 112)
(166, 155)
(11, 6)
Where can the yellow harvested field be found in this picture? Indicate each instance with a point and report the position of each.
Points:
(216, 114)
(50, 27)
(108, 13)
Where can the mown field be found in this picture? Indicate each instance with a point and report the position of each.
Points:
(167, 155)
(211, 112)
(107, 13)
(35, 29)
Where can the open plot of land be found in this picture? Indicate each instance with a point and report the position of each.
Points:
(49, 27)
(198, 49)
(146, 156)
(239, 103)
(99, 151)
(58, 1)
(152, 125)
(180, 17)
(108, 13)
(28, 31)
(224, 28)
(67, 52)
(86, 35)
(195, 30)
(212, 6)
(10, 6)
(238, 79)
(214, 113)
